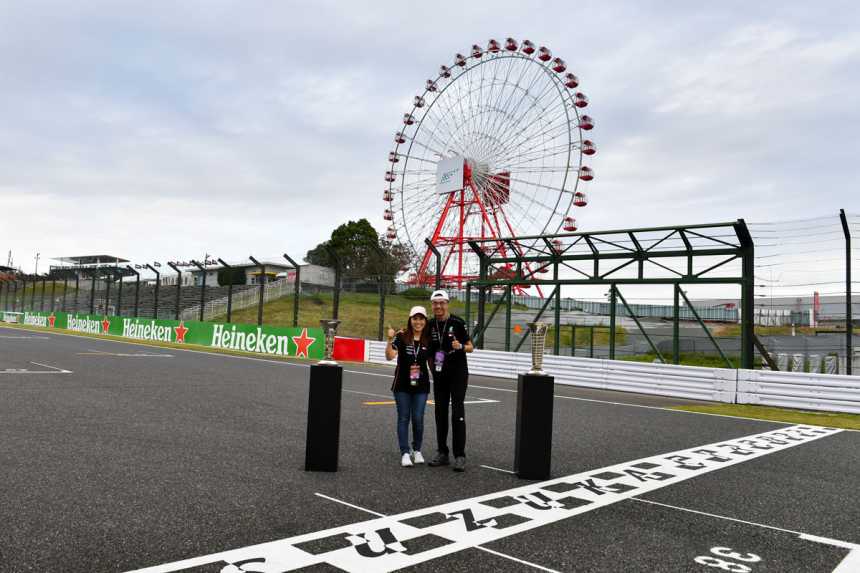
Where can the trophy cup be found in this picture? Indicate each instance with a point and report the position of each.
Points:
(324, 401)
(535, 392)
(538, 330)
(329, 327)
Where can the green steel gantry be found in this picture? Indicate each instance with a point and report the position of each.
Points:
(508, 263)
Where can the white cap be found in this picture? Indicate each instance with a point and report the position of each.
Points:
(439, 295)
(418, 310)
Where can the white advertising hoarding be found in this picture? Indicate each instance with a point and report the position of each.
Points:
(449, 175)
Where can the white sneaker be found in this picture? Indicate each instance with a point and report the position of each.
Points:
(417, 457)
(406, 461)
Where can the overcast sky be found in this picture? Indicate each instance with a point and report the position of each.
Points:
(166, 130)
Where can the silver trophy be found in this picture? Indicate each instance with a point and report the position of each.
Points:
(538, 331)
(329, 327)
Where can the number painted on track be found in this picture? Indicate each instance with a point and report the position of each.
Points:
(728, 553)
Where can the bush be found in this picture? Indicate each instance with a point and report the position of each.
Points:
(417, 293)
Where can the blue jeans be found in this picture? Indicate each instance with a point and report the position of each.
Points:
(410, 406)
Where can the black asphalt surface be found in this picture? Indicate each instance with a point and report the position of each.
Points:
(141, 456)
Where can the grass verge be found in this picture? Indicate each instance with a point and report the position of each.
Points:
(829, 419)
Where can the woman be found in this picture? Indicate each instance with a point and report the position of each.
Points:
(411, 382)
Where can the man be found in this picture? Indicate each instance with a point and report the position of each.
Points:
(448, 347)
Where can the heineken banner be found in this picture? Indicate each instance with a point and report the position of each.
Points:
(280, 341)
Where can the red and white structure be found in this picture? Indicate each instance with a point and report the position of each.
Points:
(493, 148)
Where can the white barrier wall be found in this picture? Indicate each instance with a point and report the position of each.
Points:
(799, 390)
(713, 384)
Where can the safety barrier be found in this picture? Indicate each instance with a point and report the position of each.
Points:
(692, 382)
(799, 390)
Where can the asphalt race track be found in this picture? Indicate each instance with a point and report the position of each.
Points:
(121, 457)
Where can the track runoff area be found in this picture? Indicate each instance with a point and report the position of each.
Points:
(119, 456)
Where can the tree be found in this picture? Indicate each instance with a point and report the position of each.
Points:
(361, 251)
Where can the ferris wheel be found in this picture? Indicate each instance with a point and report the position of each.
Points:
(493, 148)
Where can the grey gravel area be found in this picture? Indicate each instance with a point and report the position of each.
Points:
(134, 461)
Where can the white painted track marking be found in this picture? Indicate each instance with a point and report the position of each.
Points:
(389, 543)
(498, 469)
(800, 534)
(53, 370)
(10, 337)
(851, 563)
(340, 501)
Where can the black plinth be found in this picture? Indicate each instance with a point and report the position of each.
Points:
(533, 442)
(323, 437)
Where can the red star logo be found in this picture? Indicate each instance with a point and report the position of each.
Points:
(302, 343)
(51, 320)
(180, 331)
(105, 325)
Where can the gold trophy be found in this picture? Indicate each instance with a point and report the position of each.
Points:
(329, 327)
(538, 330)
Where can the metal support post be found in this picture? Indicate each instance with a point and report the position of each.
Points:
(639, 324)
(229, 289)
(119, 294)
(297, 288)
(591, 342)
(676, 325)
(42, 301)
(93, 291)
(573, 339)
(77, 290)
(262, 289)
(178, 288)
(157, 283)
(467, 310)
(509, 295)
(107, 290)
(849, 311)
(53, 293)
(436, 254)
(707, 331)
(612, 305)
(136, 289)
(747, 294)
(202, 288)
(556, 338)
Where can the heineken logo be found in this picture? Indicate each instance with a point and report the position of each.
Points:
(35, 320)
(86, 325)
(141, 330)
(258, 341)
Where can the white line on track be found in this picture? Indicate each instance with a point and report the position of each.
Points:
(851, 563)
(283, 362)
(8, 337)
(806, 536)
(498, 469)
(536, 566)
(349, 504)
(54, 370)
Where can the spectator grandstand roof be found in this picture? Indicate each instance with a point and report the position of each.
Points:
(91, 260)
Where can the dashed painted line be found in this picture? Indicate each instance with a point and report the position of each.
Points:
(394, 542)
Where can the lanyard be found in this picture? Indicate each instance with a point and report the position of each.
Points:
(415, 348)
(444, 326)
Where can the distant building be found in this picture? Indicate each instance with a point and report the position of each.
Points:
(310, 274)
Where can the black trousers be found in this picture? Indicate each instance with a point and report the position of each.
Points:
(450, 389)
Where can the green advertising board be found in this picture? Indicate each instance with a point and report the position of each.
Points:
(270, 340)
